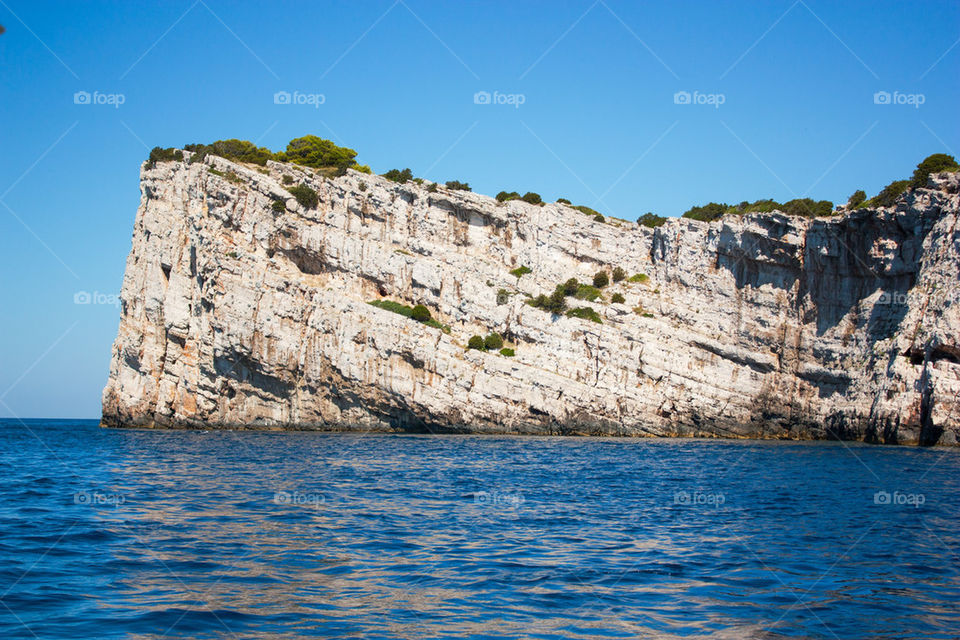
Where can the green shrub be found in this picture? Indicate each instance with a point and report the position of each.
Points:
(587, 292)
(532, 198)
(493, 341)
(279, 206)
(476, 342)
(504, 196)
(432, 188)
(619, 274)
(807, 208)
(599, 218)
(158, 154)
(231, 254)
(708, 212)
(396, 175)
(306, 196)
(286, 179)
(228, 175)
(232, 149)
(618, 298)
(418, 180)
(308, 151)
(585, 313)
(563, 201)
(456, 185)
(932, 164)
(390, 305)
(408, 312)
(507, 351)
(522, 270)
(555, 303)
(362, 186)
(362, 168)
(421, 314)
(651, 220)
(315, 152)
(587, 210)
(570, 287)
(856, 199)
(601, 279)
(639, 277)
(888, 197)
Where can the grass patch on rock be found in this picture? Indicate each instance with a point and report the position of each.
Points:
(419, 313)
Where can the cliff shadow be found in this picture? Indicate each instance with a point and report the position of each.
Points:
(849, 260)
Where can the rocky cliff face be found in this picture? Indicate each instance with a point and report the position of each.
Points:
(237, 315)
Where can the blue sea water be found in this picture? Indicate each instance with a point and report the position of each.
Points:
(185, 534)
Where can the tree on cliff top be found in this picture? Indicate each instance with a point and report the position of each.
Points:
(858, 198)
(313, 151)
(232, 149)
(932, 164)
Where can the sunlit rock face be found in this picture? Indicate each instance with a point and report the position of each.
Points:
(236, 315)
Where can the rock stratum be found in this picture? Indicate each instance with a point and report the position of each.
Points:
(237, 315)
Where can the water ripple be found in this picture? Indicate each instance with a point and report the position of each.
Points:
(147, 534)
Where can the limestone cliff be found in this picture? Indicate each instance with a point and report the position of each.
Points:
(235, 314)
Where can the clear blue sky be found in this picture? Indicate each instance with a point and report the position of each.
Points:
(598, 123)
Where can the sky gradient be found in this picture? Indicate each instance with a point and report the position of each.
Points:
(587, 100)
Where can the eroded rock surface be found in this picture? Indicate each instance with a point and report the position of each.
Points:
(236, 315)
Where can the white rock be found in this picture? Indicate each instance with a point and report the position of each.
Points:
(767, 325)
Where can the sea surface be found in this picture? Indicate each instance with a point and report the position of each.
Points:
(187, 534)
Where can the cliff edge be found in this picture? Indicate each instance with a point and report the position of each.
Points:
(243, 308)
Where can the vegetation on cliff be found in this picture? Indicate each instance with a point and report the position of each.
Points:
(306, 196)
(651, 220)
(803, 207)
(808, 208)
(556, 302)
(493, 342)
(331, 160)
(307, 151)
(419, 313)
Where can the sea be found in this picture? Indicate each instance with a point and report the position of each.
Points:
(219, 534)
